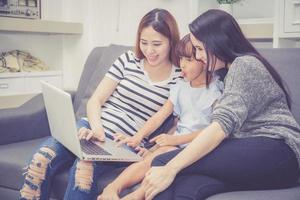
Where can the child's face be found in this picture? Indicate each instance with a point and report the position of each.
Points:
(191, 69)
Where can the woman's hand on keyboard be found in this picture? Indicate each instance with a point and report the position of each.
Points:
(87, 134)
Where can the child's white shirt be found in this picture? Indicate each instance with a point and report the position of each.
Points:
(193, 106)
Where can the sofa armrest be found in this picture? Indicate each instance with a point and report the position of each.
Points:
(29, 121)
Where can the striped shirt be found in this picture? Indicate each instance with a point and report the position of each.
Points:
(136, 98)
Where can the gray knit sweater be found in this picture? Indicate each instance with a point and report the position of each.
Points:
(254, 105)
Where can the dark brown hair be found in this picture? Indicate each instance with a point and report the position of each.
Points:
(184, 48)
(164, 23)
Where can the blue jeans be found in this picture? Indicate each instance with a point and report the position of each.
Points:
(74, 192)
(62, 159)
(256, 163)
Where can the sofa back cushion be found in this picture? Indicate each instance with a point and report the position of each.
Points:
(287, 64)
(89, 66)
(97, 64)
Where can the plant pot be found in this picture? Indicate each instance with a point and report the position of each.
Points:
(226, 7)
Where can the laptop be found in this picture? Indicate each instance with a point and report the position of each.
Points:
(63, 128)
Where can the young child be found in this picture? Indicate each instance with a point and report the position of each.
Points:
(191, 100)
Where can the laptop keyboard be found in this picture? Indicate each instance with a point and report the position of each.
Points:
(91, 148)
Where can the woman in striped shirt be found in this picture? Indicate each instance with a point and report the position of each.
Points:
(134, 88)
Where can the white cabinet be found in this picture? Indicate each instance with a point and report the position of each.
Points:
(292, 16)
(32, 81)
(257, 28)
(288, 23)
(282, 30)
(10, 84)
(266, 23)
(27, 83)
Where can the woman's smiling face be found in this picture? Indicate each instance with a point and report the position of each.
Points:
(154, 46)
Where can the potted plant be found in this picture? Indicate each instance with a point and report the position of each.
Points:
(226, 5)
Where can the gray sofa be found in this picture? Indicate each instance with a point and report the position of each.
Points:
(22, 129)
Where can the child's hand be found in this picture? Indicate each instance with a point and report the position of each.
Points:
(133, 141)
(143, 152)
(165, 140)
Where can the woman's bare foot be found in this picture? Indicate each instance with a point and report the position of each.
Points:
(138, 194)
(109, 192)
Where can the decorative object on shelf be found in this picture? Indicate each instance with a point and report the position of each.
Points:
(21, 8)
(226, 5)
(20, 61)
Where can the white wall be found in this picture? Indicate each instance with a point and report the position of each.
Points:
(111, 21)
(131, 11)
(254, 9)
(105, 22)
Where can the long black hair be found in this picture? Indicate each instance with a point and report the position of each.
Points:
(223, 39)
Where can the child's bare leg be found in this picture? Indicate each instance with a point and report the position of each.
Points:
(139, 193)
(129, 177)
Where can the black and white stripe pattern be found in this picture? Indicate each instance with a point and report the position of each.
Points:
(135, 99)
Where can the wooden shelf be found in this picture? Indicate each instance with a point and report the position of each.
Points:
(30, 74)
(39, 26)
(257, 28)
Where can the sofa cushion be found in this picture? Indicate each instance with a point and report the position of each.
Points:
(13, 158)
(26, 116)
(93, 73)
(287, 194)
(89, 66)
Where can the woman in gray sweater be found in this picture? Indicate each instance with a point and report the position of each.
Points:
(253, 141)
